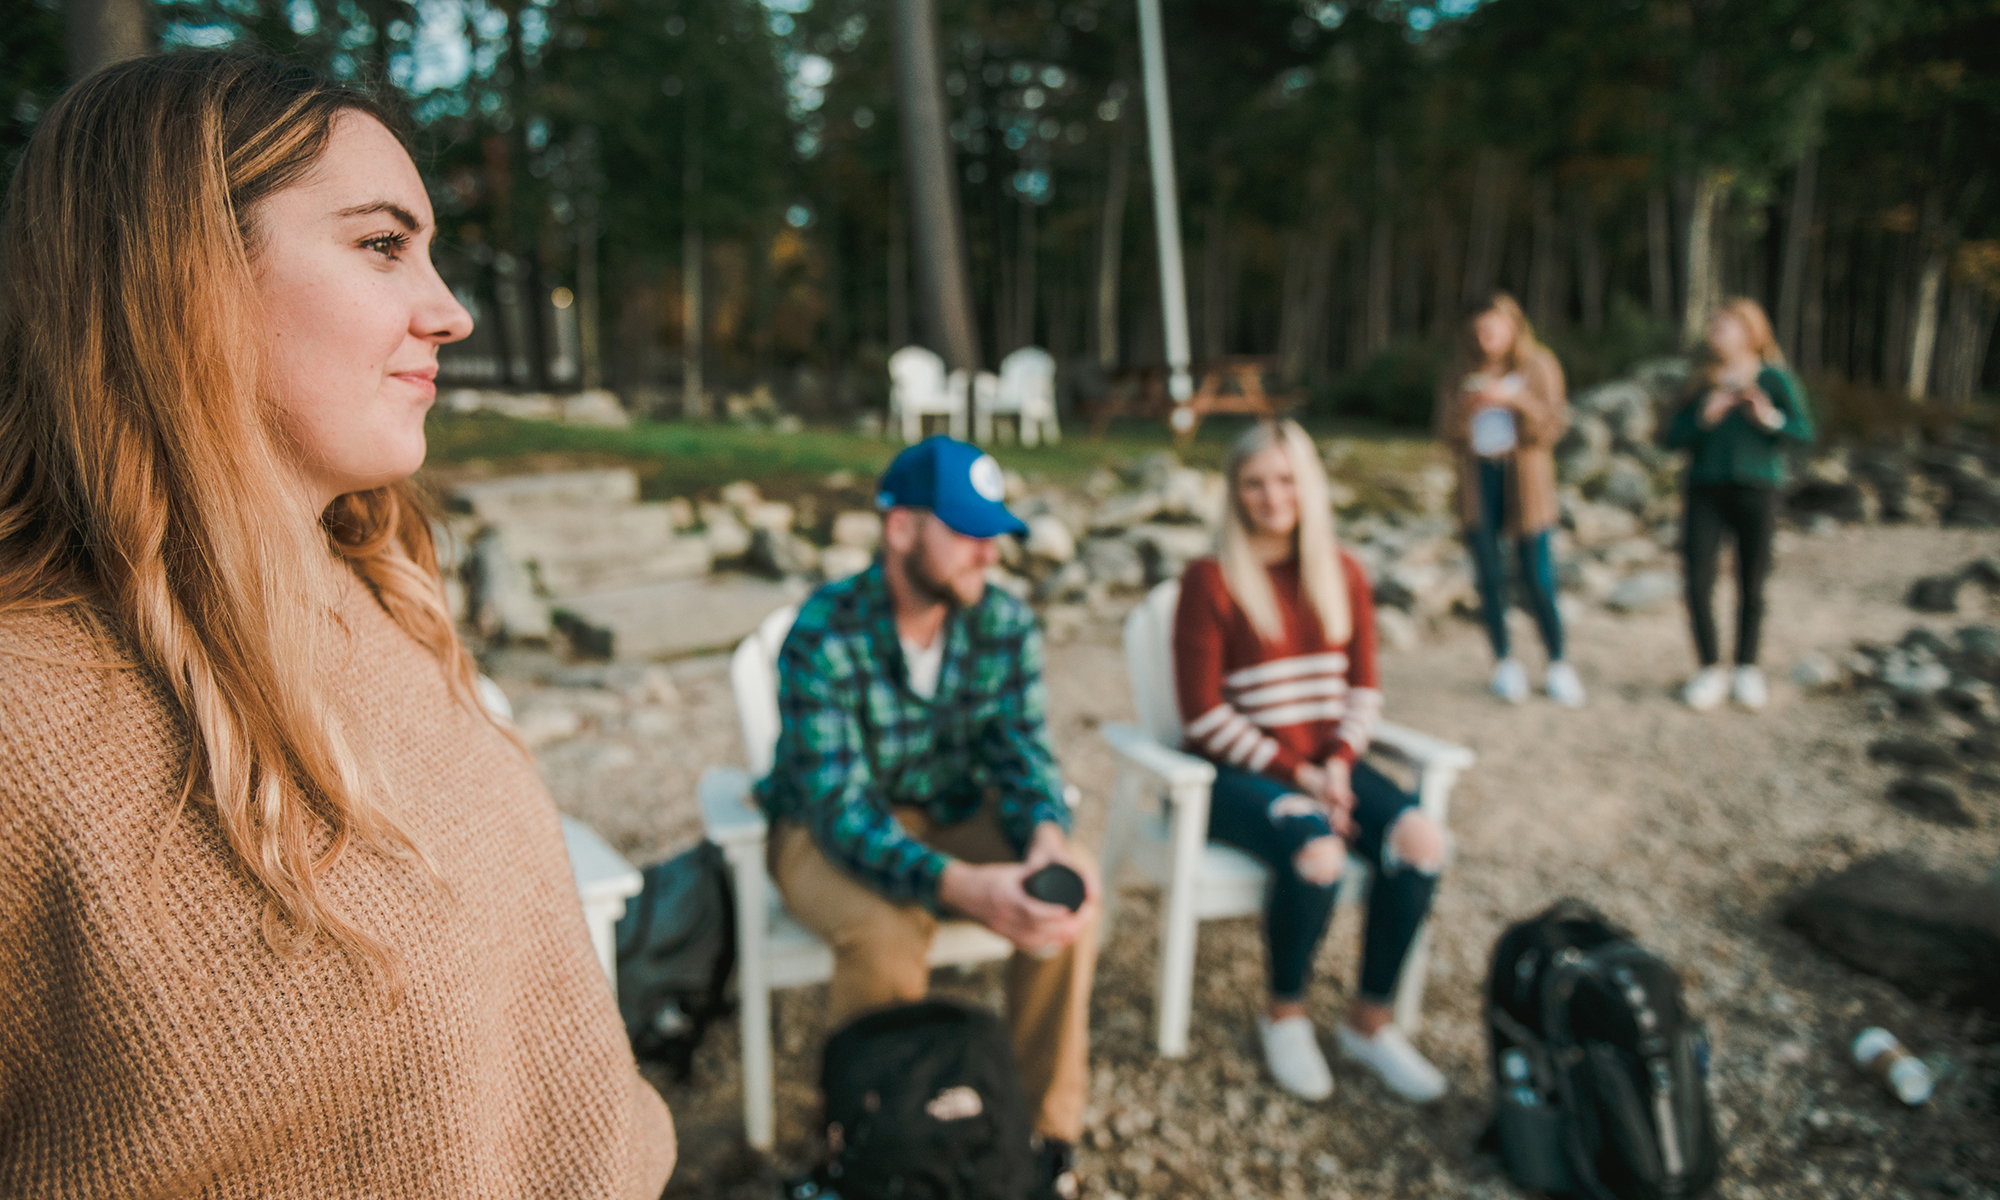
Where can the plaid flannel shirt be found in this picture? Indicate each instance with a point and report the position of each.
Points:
(856, 740)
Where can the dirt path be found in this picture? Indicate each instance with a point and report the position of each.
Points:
(1686, 827)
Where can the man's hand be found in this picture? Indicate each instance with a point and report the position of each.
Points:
(993, 894)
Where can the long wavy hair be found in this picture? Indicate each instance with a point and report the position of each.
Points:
(1314, 541)
(144, 480)
(1468, 356)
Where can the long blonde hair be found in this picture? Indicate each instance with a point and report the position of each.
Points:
(1318, 550)
(144, 481)
(1469, 356)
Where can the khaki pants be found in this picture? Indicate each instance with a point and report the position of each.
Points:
(881, 951)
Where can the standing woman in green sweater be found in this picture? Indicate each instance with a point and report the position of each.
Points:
(1742, 405)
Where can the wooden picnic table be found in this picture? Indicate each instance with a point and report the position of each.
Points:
(1233, 386)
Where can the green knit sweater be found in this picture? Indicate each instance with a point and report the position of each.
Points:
(1738, 449)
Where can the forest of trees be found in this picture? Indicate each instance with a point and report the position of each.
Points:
(619, 180)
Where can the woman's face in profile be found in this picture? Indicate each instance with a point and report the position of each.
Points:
(1727, 336)
(353, 310)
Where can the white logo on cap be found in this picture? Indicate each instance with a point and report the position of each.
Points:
(986, 478)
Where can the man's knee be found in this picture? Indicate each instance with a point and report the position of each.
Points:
(1417, 842)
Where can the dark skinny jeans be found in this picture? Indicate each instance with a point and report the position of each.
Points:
(1749, 513)
(1538, 571)
(1244, 811)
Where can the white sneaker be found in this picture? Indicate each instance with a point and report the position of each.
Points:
(1748, 689)
(1510, 681)
(1292, 1052)
(1390, 1055)
(1708, 688)
(1563, 686)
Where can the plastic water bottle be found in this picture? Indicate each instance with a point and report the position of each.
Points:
(1877, 1052)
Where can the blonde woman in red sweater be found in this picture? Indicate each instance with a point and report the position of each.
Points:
(1274, 657)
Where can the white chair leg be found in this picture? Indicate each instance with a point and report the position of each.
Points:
(1120, 825)
(1409, 1008)
(1189, 836)
(982, 427)
(760, 1118)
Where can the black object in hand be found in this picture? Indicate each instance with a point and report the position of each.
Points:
(1056, 884)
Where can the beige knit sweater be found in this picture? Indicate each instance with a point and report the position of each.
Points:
(171, 1052)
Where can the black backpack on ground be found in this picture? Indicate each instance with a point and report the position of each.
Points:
(923, 1102)
(676, 947)
(1600, 1075)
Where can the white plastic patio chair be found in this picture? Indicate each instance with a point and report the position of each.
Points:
(1026, 391)
(1203, 880)
(604, 880)
(919, 388)
(772, 949)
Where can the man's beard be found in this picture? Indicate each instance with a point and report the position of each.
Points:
(917, 569)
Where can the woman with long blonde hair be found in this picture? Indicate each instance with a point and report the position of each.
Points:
(1274, 665)
(1501, 409)
(1741, 406)
(286, 913)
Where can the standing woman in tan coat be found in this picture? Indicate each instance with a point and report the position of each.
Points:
(1501, 409)
(284, 914)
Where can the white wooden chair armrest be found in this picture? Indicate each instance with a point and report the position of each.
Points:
(1421, 749)
(604, 882)
(1175, 768)
(728, 815)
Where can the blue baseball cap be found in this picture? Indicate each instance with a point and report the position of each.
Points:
(959, 482)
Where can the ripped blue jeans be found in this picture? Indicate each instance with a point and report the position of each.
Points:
(1252, 813)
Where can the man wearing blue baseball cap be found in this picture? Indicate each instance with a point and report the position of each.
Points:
(913, 778)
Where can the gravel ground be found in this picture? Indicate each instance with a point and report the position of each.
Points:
(1688, 828)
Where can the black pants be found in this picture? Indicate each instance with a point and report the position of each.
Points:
(1749, 512)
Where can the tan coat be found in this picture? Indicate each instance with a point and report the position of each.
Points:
(1541, 418)
(154, 1044)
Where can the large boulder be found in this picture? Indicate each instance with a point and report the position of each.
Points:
(1049, 539)
(1166, 549)
(857, 528)
(1933, 936)
(1643, 592)
(1114, 562)
(685, 616)
(517, 495)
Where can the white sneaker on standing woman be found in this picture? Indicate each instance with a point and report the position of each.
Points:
(1510, 681)
(1748, 689)
(1563, 686)
(1708, 688)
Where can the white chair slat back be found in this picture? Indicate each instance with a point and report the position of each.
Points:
(1149, 662)
(753, 677)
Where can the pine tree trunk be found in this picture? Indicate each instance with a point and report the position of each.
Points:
(1798, 238)
(1659, 255)
(943, 273)
(589, 341)
(1590, 267)
(1215, 258)
(1924, 329)
(694, 386)
(899, 280)
(1381, 251)
(1111, 246)
(1962, 349)
(1024, 278)
(1703, 284)
(1489, 225)
(1545, 261)
(101, 32)
(1811, 347)
(1445, 244)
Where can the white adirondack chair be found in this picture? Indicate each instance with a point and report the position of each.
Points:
(981, 388)
(1027, 391)
(1203, 880)
(772, 949)
(604, 880)
(919, 388)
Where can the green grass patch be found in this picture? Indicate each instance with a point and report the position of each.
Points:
(686, 458)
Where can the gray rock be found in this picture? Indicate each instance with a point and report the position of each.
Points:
(839, 562)
(1936, 593)
(1167, 549)
(1069, 583)
(1931, 799)
(1114, 561)
(1933, 936)
(1625, 406)
(496, 499)
(1598, 524)
(857, 528)
(500, 595)
(1911, 752)
(1627, 485)
(726, 536)
(1841, 501)
(685, 616)
(1127, 510)
(1816, 671)
(1049, 539)
(1913, 672)
(777, 551)
(1973, 698)
(1643, 592)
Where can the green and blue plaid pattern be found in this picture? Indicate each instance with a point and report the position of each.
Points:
(856, 741)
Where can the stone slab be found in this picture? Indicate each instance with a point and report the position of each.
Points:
(684, 616)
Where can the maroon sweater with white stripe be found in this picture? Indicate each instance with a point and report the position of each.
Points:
(1272, 707)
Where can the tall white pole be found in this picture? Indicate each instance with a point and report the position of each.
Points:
(1166, 208)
